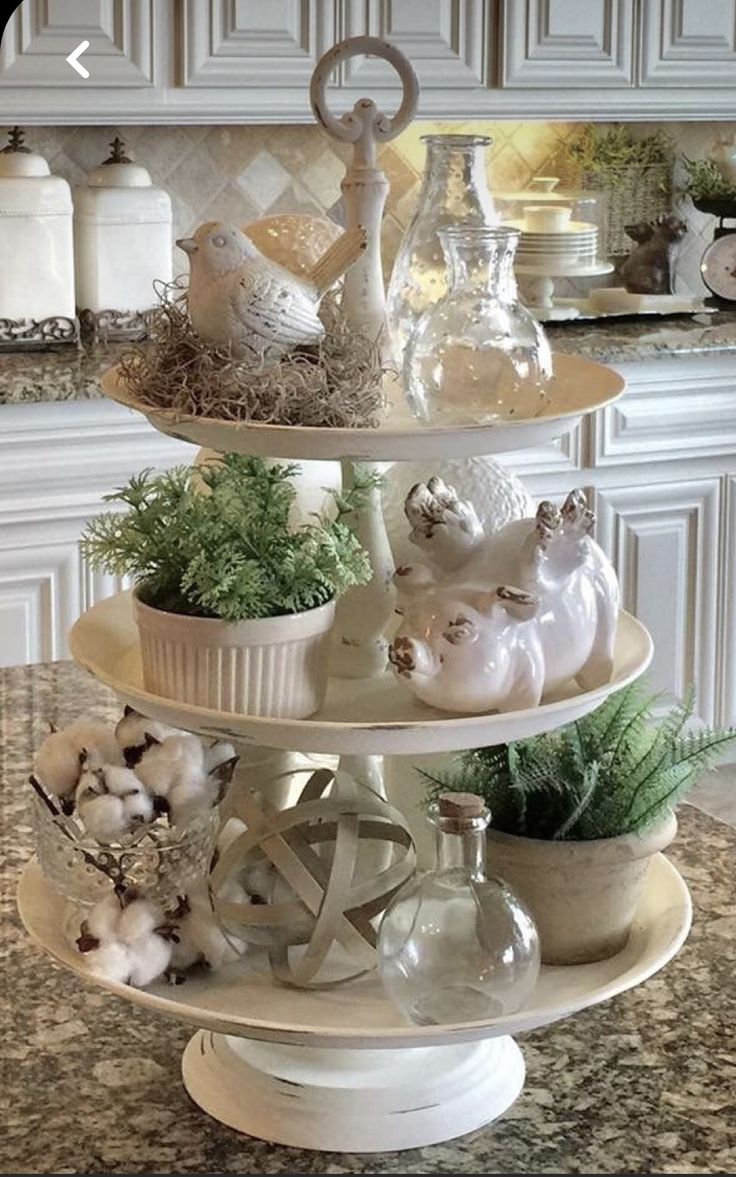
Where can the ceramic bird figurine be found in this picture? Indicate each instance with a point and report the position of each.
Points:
(650, 267)
(239, 299)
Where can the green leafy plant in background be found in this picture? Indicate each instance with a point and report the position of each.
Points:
(614, 149)
(613, 772)
(705, 181)
(224, 548)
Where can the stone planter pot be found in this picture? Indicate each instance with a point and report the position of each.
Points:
(272, 666)
(583, 895)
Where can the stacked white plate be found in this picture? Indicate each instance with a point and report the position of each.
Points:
(576, 243)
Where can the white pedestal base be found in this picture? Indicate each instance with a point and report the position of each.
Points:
(352, 1100)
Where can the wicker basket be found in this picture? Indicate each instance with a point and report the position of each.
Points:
(633, 194)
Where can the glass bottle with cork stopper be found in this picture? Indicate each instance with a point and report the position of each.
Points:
(455, 945)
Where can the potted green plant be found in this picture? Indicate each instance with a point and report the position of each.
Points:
(577, 814)
(233, 604)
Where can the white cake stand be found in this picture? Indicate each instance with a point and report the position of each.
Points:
(338, 1069)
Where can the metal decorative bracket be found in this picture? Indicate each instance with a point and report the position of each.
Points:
(38, 334)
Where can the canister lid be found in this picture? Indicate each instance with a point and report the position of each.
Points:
(17, 160)
(119, 171)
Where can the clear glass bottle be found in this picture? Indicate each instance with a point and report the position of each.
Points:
(454, 192)
(478, 354)
(454, 945)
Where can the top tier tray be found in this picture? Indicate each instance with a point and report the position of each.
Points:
(579, 386)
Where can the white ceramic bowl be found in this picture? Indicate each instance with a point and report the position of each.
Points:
(543, 218)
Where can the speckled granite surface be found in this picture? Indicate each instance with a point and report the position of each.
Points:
(70, 374)
(643, 1084)
(620, 341)
(36, 377)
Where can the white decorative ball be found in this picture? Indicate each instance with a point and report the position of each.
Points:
(498, 496)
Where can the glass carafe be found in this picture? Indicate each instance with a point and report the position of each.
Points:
(478, 355)
(454, 945)
(454, 192)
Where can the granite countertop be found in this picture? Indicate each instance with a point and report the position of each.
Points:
(70, 374)
(642, 1084)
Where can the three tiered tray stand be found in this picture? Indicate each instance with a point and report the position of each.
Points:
(339, 1069)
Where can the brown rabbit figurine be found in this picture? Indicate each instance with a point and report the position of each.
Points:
(650, 267)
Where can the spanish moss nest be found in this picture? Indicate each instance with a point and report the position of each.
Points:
(335, 384)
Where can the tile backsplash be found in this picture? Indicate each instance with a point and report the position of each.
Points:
(239, 173)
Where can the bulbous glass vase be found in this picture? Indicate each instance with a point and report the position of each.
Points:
(478, 355)
(454, 192)
(455, 946)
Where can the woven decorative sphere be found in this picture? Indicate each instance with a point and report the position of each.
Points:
(322, 871)
(295, 241)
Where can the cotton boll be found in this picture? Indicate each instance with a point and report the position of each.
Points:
(149, 957)
(102, 921)
(177, 760)
(134, 731)
(138, 808)
(111, 961)
(200, 938)
(57, 764)
(138, 919)
(103, 817)
(121, 781)
(94, 738)
(189, 798)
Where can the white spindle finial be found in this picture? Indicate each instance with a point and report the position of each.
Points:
(365, 186)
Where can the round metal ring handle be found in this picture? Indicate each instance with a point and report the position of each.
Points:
(365, 123)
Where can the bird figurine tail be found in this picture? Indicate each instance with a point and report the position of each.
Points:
(339, 258)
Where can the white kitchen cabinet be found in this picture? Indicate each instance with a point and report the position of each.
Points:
(566, 44)
(260, 45)
(664, 541)
(688, 43)
(229, 61)
(57, 461)
(451, 43)
(727, 647)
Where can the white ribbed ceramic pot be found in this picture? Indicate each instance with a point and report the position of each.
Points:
(583, 895)
(272, 666)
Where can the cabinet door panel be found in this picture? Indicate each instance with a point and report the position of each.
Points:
(40, 596)
(41, 33)
(568, 44)
(256, 44)
(450, 43)
(664, 541)
(688, 43)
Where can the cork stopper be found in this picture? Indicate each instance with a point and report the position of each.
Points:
(461, 806)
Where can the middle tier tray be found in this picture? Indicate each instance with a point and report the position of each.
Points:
(579, 386)
(360, 716)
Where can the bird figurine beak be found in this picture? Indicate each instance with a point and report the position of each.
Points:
(188, 244)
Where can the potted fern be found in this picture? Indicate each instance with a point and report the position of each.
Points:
(233, 604)
(576, 815)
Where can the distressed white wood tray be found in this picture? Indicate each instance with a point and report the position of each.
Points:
(339, 1069)
(360, 716)
(579, 386)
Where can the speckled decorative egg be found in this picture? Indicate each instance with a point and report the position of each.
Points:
(295, 240)
(498, 496)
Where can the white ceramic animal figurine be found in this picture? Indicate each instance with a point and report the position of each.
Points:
(498, 622)
(237, 298)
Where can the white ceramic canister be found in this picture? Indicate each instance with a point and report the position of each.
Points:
(36, 241)
(122, 236)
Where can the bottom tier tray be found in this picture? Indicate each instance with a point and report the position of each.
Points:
(339, 1069)
(360, 716)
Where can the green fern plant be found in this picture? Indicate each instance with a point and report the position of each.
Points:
(610, 150)
(225, 549)
(613, 772)
(705, 181)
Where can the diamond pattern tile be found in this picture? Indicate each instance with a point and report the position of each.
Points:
(238, 173)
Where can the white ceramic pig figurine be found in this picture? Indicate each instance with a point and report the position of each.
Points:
(497, 623)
